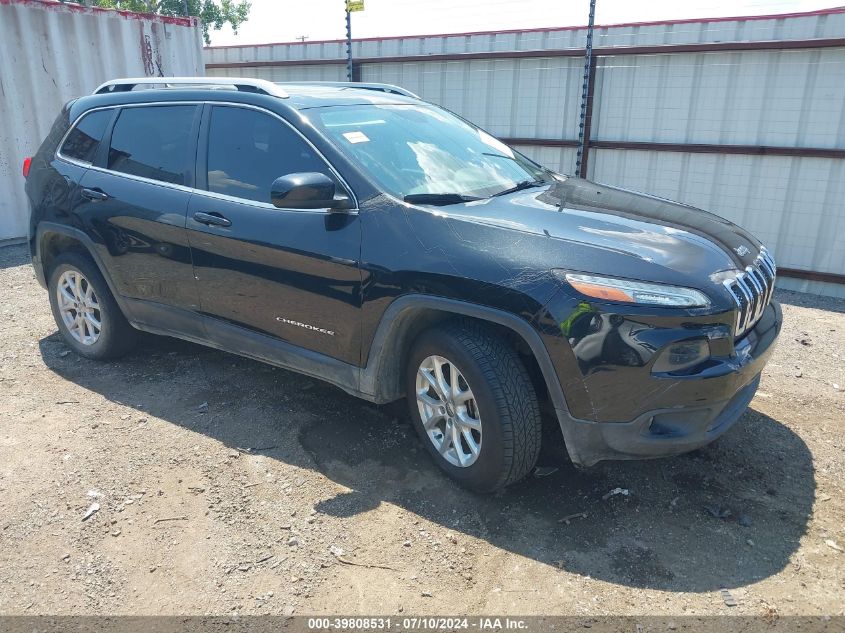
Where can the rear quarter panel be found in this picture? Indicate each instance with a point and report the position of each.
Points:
(52, 183)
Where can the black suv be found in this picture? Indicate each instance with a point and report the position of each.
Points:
(354, 233)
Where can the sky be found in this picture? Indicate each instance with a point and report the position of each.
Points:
(288, 20)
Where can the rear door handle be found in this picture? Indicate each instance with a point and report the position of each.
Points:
(95, 194)
(211, 219)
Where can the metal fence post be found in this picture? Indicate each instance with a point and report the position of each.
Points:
(348, 44)
(587, 87)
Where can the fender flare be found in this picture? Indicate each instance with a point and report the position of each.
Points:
(401, 311)
(382, 353)
(87, 243)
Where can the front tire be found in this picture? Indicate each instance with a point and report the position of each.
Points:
(474, 405)
(85, 311)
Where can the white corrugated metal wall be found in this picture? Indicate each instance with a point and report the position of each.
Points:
(51, 53)
(789, 98)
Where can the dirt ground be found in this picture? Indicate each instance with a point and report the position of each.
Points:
(227, 486)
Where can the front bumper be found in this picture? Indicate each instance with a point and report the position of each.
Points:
(682, 422)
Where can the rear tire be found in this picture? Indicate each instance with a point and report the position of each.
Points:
(486, 432)
(85, 311)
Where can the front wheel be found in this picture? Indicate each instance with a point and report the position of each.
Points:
(474, 406)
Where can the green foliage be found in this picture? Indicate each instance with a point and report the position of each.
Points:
(212, 13)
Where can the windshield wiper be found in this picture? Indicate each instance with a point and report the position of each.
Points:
(524, 184)
(439, 199)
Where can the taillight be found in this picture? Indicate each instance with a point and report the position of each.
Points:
(27, 163)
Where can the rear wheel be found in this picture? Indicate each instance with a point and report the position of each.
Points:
(85, 311)
(474, 406)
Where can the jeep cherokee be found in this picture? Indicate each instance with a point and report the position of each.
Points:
(359, 235)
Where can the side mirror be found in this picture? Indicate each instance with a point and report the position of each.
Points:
(306, 190)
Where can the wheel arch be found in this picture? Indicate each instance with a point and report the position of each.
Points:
(52, 239)
(406, 317)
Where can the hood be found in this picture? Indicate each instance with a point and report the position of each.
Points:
(677, 237)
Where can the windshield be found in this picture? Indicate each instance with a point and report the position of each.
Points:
(422, 153)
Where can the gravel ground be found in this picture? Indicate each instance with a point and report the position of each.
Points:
(227, 486)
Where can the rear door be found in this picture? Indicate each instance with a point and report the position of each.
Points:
(292, 274)
(134, 198)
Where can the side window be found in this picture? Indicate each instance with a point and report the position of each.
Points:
(82, 141)
(153, 142)
(248, 150)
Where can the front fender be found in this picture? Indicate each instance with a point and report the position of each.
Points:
(381, 376)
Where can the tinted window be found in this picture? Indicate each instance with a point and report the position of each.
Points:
(248, 150)
(81, 144)
(153, 142)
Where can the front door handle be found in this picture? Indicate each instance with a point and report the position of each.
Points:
(95, 194)
(211, 219)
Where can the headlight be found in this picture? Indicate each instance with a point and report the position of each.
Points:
(628, 291)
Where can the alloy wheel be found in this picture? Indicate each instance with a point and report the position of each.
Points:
(448, 411)
(79, 307)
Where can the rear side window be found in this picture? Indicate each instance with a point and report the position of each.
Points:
(248, 150)
(82, 141)
(153, 142)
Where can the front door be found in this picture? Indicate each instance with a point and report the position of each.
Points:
(291, 274)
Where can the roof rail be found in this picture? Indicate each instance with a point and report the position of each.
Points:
(241, 84)
(389, 88)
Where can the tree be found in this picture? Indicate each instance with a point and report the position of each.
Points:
(212, 13)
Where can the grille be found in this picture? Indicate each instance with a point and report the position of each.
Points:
(752, 290)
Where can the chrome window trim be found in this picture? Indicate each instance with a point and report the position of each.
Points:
(266, 205)
(256, 203)
(58, 153)
(248, 106)
(149, 181)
